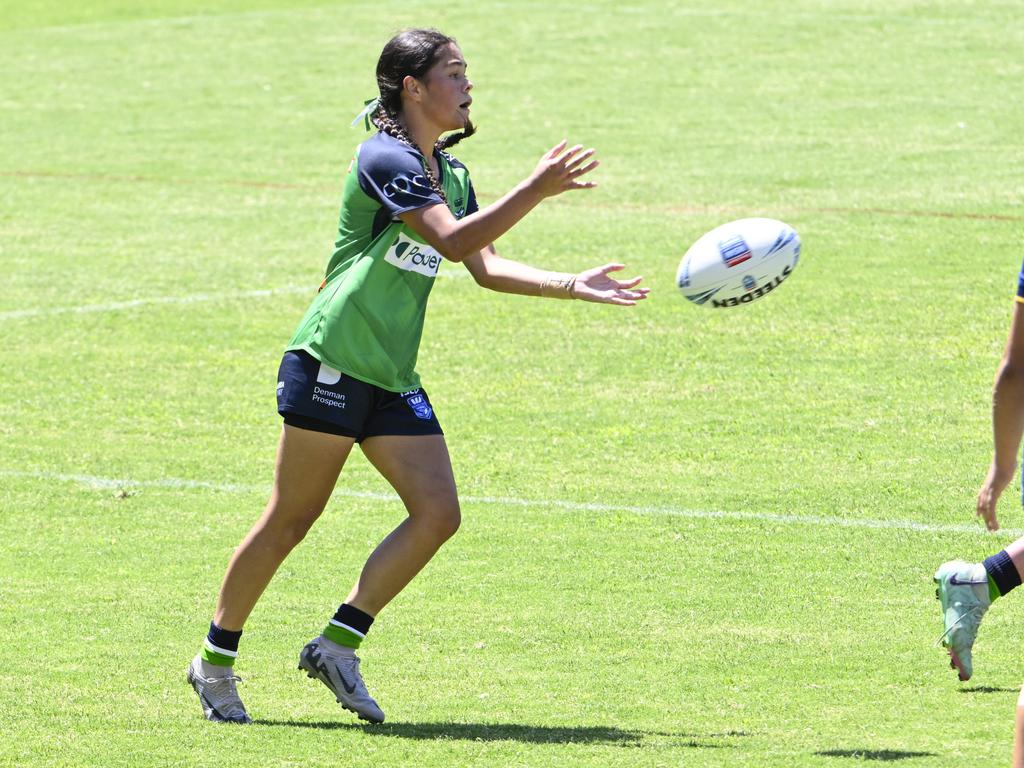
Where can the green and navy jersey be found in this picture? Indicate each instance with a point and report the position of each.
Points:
(367, 319)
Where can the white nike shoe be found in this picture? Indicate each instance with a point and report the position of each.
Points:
(337, 667)
(962, 590)
(218, 695)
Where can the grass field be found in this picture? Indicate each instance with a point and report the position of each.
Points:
(690, 537)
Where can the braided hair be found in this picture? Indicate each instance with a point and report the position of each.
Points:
(388, 123)
(411, 52)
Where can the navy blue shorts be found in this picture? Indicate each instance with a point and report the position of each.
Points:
(311, 395)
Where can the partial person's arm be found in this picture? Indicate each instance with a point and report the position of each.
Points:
(498, 274)
(1007, 421)
(559, 170)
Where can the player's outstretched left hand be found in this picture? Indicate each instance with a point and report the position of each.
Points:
(596, 285)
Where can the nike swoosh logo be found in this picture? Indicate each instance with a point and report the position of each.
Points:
(958, 583)
(344, 683)
(210, 709)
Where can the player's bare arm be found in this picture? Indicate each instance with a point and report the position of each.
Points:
(507, 276)
(1007, 421)
(558, 171)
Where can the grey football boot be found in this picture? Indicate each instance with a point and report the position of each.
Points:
(218, 695)
(963, 594)
(337, 667)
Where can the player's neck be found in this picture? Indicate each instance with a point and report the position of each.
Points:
(423, 132)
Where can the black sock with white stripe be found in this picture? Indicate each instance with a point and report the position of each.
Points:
(221, 646)
(349, 626)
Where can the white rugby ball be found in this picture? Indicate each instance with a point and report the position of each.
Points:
(738, 262)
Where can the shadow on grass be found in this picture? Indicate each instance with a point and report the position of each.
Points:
(987, 689)
(532, 734)
(882, 755)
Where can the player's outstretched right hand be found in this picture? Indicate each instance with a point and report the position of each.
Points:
(560, 169)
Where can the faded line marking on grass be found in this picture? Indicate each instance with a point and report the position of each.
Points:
(188, 182)
(172, 483)
(191, 298)
(115, 306)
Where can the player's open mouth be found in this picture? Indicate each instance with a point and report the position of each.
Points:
(465, 105)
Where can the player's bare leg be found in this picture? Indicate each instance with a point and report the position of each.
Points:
(419, 469)
(308, 464)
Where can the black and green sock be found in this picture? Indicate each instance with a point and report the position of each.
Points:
(221, 646)
(1002, 574)
(349, 626)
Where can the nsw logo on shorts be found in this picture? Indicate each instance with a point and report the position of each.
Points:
(419, 404)
(411, 256)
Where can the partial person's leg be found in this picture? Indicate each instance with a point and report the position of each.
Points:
(965, 592)
(308, 464)
(1018, 733)
(420, 470)
(1005, 569)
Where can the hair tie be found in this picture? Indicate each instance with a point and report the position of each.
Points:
(369, 107)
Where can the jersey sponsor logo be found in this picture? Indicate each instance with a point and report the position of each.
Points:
(411, 256)
(328, 397)
(327, 375)
(405, 183)
(734, 251)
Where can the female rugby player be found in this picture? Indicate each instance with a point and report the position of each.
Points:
(349, 373)
(966, 590)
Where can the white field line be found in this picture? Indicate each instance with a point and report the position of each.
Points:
(92, 481)
(190, 298)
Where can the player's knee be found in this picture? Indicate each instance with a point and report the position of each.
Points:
(444, 520)
(453, 521)
(291, 535)
(286, 531)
